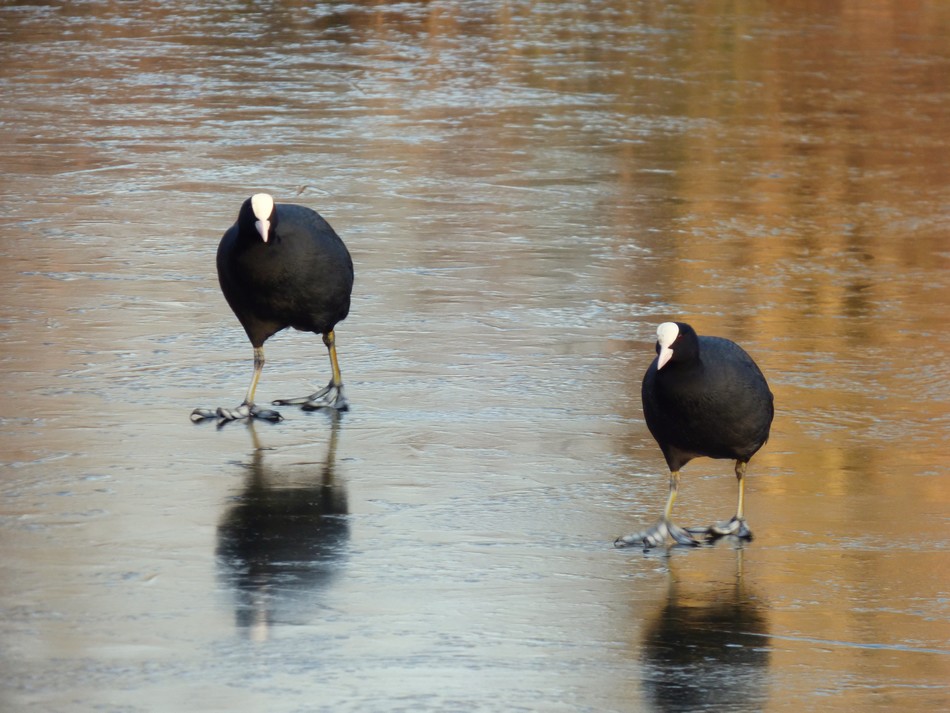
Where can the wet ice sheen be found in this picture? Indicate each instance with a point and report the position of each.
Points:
(527, 191)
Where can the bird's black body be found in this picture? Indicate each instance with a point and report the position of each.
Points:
(710, 400)
(280, 266)
(301, 277)
(702, 396)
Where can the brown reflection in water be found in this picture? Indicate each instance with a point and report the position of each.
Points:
(708, 647)
(285, 539)
(799, 211)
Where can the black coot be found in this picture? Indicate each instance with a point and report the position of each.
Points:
(282, 265)
(702, 396)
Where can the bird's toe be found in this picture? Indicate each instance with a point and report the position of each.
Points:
(297, 401)
(235, 414)
(331, 397)
(656, 536)
(245, 410)
(736, 527)
(682, 536)
(335, 401)
(265, 414)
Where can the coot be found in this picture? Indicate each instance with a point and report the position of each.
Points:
(702, 396)
(282, 265)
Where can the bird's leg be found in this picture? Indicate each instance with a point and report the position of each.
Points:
(656, 535)
(737, 525)
(248, 409)
(331, 395)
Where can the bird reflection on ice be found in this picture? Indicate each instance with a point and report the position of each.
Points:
(708, 649)
(284, 540)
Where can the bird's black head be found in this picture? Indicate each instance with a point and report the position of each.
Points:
(675, 342)
(258, 214)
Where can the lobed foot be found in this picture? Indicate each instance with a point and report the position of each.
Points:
(657, 535)
(243, 411)
(330, 396)
(736, 527)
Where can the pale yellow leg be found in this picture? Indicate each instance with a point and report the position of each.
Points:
(247, 409)
(658, 533)
(258, 368)
(330, 396)
(737, 525)
(674, 490)
(330, 340)
(740, 474)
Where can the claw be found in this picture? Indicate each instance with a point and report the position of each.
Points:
(736, 527)
(330, 396)
(240, 412)
(657, 535)
(266, 414)
(682, 537)
(243, 411)
(291, 402)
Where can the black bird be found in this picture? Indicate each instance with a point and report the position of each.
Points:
(282, 265)
(702, 396)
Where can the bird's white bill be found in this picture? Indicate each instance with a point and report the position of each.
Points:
(263, 227)
(664, 356)
(666, 334)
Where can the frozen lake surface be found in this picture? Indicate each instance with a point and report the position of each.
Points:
(527, 190)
